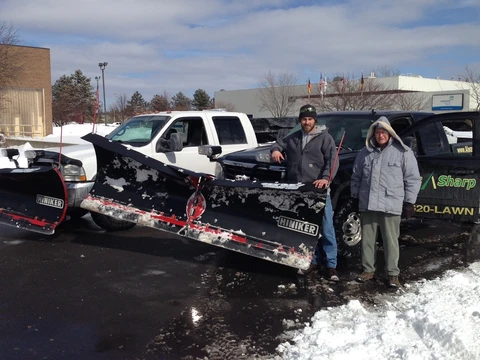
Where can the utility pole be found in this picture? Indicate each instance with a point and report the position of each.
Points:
(102, 67)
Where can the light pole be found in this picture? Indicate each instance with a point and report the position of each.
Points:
(114, 106)
(102, 67)
(97, 78)
(96, 97)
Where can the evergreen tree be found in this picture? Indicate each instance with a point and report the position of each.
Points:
(73, 99)
(201, 100)
(161, 102)
(181, 102)
(136, 105)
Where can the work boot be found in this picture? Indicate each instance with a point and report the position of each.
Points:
(331, 274)
(312, 268)
(393, 282)
(365, 276)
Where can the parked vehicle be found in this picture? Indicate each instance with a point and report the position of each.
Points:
(449, 162)
(150, 134)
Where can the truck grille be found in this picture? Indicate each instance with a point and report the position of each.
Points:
(237, 170)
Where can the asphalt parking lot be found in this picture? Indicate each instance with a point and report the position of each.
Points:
(143, 294)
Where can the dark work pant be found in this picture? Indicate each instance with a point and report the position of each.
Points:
(389, 226)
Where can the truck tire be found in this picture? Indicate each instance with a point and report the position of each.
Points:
(76, 213)
(347, 229)
(110, 224)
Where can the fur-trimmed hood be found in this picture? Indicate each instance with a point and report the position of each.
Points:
(382, 122)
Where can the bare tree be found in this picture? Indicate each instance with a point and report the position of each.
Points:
(385, 71)
(225, 105)
(119, 107)
(472, 75)
(11, 63)
(413, 101)
(346, 92)
(276, 93)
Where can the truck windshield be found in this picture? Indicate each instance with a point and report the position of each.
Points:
(354, 126)
(139, 130)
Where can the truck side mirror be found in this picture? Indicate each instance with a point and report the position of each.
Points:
(210, 151)
(411, 142)
(173, 144)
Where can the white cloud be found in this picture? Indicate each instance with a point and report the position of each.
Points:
(154, 46)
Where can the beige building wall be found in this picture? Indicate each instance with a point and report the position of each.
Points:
(27, 108)
(247, 100)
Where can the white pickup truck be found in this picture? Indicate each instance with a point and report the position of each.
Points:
(151, 134)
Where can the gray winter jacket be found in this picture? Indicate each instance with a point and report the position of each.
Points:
(383, 179)
(312, 162)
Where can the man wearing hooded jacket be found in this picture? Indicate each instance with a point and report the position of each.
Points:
(310, 158)
(385, 184)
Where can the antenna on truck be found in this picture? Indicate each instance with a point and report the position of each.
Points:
(336, 158)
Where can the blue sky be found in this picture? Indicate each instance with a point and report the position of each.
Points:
(162, 45)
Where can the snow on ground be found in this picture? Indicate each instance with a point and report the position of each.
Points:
(436, 319)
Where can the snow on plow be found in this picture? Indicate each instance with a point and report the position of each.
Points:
(33, 199)
(272, 221)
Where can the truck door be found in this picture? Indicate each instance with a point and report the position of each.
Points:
(193, 132)
(448, 155)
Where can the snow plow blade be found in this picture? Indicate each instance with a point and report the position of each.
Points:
(33, 199)
(271, 221)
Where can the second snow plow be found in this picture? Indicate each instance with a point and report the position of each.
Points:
(33, 199)
(272, 221)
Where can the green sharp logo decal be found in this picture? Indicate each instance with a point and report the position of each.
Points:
(430, 177)
(448, 181)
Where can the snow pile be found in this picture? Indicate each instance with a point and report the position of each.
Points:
(70, 134)
(439, 319)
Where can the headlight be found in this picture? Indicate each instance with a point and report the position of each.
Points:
(73, 173)
(34, 154)
(263, 157)
(219, 171)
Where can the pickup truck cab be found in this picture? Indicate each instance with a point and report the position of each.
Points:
(152, 135)
(447, 147)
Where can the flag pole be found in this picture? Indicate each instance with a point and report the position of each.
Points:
(361, 85)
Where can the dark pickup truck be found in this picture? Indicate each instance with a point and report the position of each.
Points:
(447, 147)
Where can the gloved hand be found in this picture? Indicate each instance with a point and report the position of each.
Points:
(355, 204)
(407, 210)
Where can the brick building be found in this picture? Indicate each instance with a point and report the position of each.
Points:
(26, 103)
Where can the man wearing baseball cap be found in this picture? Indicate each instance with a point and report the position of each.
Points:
(310, 154)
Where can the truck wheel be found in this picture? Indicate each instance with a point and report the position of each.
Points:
(347, 228)
(76, 213)
(110, 224)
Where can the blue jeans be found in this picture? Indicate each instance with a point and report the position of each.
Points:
(328, 239)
